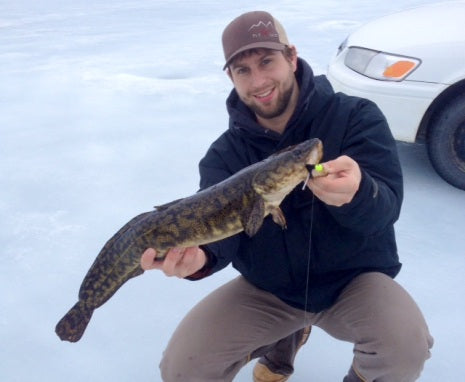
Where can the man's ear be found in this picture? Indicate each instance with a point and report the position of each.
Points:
(229, 73)
(293, 57)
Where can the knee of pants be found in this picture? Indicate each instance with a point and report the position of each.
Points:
(168, 369)
(411, 347)
(176, 366)
(401, 350)
(182, 365)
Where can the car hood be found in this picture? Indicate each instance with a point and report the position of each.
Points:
(433, 33)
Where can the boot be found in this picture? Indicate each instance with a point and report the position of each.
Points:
(261, 373)
(269, 369)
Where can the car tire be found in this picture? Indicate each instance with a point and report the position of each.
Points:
(446, 142)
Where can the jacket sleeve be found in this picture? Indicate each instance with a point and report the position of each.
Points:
(370, 143)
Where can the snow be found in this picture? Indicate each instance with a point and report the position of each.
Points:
(105, 109)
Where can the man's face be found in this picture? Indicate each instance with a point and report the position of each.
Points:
(265, 82)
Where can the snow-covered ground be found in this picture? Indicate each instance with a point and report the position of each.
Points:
(105, 109)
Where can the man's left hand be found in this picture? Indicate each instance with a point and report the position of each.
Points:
(340, 184)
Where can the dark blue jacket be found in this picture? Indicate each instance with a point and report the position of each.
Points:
(331, 245)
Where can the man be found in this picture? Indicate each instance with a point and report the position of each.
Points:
(333, 265)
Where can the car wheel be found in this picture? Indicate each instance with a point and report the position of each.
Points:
(446, 143)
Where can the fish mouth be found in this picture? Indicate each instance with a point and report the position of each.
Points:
(310, 167)
(314, 158)
(315, 154)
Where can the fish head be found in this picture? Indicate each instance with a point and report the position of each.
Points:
(306, 153)
(283, 171)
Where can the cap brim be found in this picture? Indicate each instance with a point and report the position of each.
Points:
(256, 45)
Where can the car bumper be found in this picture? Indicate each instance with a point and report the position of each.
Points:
(403, 103)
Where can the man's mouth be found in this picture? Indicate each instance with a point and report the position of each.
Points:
(265, 96)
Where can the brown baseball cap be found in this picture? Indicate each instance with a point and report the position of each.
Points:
(251, 30)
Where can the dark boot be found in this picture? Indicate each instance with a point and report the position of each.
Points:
(277, 364)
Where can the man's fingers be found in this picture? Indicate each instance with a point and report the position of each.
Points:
(179, 261)
(335, 166)
(172, 260)
(148, 260)
(342, 163)
(340, 183)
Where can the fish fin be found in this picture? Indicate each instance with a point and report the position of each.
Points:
(167, 205)
(278, 217)
(72, 326)
(254, 219)
(123, 230)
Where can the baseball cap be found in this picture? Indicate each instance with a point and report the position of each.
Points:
(250, 30)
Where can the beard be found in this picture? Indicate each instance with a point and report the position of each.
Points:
(281, 104)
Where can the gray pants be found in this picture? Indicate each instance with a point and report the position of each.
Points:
(238, 322)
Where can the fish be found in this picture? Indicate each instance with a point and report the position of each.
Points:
(239, 203)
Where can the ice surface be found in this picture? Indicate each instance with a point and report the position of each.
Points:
(105, 109)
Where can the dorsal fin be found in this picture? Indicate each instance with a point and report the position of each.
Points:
(167, 205)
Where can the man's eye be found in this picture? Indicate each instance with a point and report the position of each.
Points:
(241, 71)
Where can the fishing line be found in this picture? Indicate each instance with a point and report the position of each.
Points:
(306, 180)
(322, 172)
(309, 256)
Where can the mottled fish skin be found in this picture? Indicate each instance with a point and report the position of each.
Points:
(239, 203)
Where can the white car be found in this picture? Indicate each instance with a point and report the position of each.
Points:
(412, 64)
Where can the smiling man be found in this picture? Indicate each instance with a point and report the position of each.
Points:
(264, 80)
(334, 264)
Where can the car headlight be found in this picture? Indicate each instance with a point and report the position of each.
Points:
(380, 65)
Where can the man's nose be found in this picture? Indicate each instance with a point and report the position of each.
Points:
(257, 79)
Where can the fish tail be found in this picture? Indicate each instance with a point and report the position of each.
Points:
(72, 326)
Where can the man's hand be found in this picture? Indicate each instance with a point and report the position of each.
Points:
(340, 184)
(179, 262)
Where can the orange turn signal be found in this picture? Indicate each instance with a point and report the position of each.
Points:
(399, 69)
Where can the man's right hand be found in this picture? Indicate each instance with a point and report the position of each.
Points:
(179, 262)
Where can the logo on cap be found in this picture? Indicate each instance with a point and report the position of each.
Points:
(263, 30)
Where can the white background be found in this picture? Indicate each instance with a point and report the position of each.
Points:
(106, 108)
